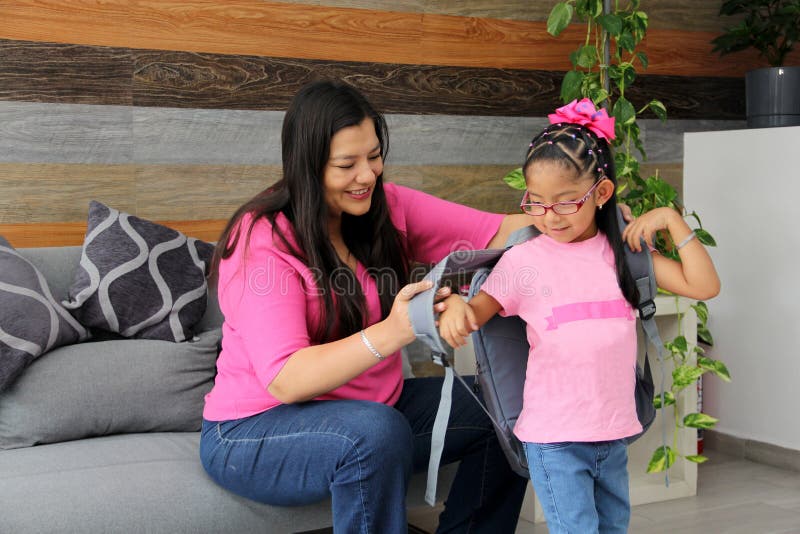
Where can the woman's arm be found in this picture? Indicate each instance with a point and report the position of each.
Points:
(694, 276)
(318, 369)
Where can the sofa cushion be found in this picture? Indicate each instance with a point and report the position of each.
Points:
(32, 322)
(110, 387)
(150, 483)
(138, 278)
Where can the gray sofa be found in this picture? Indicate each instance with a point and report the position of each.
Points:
(101, 436)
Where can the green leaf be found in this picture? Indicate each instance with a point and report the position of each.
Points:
(680, 343)
(685, 375)
(662, 459)
(571, 86)
(515, 179)
(669, 399)
(714, 366)
(697, 458)
(587, 56)
(624, 112)
(611, 23)
(559, 19)
(643, 59)
(626, 42)
(705, 238)
(699, 420)
(704, 335)
(598, 96)
(659, 109)
(701, 309)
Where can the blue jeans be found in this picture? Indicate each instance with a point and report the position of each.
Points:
(583, 487)
(361, 454)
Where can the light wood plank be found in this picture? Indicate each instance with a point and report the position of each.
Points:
(319, 32)
(28, 235)
(65, 133)
(61, 192)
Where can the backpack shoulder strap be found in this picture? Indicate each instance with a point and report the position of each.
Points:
(423, 320)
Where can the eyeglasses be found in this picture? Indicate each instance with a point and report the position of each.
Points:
(561, 208)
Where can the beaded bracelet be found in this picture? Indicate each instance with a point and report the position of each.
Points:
(371, 347)
(688, 238)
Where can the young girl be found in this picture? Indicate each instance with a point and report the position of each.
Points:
(573, 289)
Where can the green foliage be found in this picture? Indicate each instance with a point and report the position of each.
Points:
(770, 26)
(606, 83)
(662, 459)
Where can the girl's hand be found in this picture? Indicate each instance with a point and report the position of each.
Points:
(457, 321)
(647, 225)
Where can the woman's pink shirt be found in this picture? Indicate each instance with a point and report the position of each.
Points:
(270, 302)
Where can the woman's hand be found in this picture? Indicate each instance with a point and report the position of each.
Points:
(398, 316)
(457, 321)
(647, 225)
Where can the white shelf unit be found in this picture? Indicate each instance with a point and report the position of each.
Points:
(644, 487)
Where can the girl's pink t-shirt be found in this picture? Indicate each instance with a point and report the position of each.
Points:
(271, 302)
(581, 374)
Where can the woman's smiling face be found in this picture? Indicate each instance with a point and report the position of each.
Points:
(353, 167)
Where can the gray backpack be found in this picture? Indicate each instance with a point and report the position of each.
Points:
(501, 350)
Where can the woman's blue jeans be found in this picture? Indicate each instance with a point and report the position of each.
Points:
(583, 487)
(361, 454)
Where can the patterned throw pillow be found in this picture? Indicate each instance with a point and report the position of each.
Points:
(138, 278)
(32, 322)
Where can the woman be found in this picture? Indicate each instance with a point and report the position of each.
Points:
(309, 400)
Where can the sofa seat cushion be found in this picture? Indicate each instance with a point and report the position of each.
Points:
(133, 483)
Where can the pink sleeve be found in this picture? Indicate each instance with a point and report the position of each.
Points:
(436, 227)
(263, 298)
(500, 285)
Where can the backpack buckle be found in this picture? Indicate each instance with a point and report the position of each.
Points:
(647, 310)
(439, 358)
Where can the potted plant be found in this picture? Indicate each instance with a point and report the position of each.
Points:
(772, 27)
(603, 72)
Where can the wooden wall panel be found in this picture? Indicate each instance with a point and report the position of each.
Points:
(27, 235)
(48, 72)
(253, 27)
(39, 192)
(691, 15)
(65, 133)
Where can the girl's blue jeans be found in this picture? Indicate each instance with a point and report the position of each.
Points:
(583, 487)
(361, 454)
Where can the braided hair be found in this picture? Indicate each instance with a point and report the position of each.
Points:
(575, 146)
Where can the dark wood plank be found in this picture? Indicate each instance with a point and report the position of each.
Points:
(49, 72)
(182, 79)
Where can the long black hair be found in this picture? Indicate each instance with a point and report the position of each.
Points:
(317, 112)
(577, 147)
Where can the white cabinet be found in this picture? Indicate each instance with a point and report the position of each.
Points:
(644, 487)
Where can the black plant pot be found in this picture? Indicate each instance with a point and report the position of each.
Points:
(773, 97)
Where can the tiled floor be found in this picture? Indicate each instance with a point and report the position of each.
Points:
(734, 496)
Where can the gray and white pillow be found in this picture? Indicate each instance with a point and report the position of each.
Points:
(32, 322)
(138, 278)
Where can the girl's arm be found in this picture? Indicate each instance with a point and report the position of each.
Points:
(460, 318)
(694, 276)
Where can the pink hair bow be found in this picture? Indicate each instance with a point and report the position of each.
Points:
(584, 113)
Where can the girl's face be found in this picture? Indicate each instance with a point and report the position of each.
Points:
(549, 182)
(352, 169)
